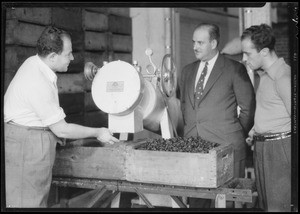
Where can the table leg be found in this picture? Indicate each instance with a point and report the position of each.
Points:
(116, 201)
(179, 202)
(220, 201)
(142, 196)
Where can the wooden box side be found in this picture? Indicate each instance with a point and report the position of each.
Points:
(84, 161)
(171, 168)
(225, 164)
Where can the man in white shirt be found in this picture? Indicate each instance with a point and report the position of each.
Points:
(34, 122)
(271, 133)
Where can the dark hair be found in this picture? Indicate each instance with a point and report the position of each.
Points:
(213, 30)
(262, 36)
(51, 41)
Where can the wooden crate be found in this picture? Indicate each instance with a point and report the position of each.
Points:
(89, 159)
(123, 161)
(209, 170)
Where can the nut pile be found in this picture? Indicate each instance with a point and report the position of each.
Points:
(179, 144)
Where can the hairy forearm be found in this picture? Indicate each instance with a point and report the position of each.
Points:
(74, 131)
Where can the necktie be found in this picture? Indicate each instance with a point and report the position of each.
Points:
(200, 84)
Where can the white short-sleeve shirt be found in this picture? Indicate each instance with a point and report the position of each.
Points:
(32, 96)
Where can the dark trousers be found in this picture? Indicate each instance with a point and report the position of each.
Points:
(272, 167)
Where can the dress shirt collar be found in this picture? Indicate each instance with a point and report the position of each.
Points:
(48, 71)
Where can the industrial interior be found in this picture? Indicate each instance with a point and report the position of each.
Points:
(125, 75)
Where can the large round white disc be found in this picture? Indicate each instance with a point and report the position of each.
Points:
(117, 88)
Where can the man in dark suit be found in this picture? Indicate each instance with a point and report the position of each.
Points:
(210, 103)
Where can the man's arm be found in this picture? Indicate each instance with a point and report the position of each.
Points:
(283, 86)
(245, 96)
(63, 129)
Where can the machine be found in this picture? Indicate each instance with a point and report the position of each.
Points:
(134, 101)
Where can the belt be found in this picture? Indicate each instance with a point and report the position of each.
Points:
(30, 127)
(269, 137)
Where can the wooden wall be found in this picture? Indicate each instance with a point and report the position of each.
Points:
(98, 34)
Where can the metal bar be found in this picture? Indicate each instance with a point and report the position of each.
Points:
(111, 197)
(87, 199)
(209, 193)
(143, 197)
(178, 201)
(242, 195)
(97, 197)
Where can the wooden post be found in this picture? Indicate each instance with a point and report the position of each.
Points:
(116, 201)
(220, 201)
(166, 126)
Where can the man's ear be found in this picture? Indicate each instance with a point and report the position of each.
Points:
(214, 44)
(52, 56)
(264, 51)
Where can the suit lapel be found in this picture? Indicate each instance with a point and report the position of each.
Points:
(191, 83)
(214, 75)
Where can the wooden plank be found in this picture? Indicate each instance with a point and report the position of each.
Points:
(281, 30)
(85, 183)
(94, 21)
(70, 83)
(95, 57)
(72, 102)
(178, 168)
(38, 15)
(96, 119)
(119, 24)
(120, 11)
(8, 76)
(127, 57)
(16, 55)
(75, 118)
(97, 9)
(90, 161)
(67, 18)
(121, 43)
(22, 33)
(77, 40)
(224, 165)
(95, 41)
(282, 14)
(89, 102)
(77, 65)
(87, 85)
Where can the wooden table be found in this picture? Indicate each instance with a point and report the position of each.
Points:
(111, 189)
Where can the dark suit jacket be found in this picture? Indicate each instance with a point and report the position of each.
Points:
(215, 117)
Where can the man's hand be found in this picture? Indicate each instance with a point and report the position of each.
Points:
(106, 136)
(249, 139)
